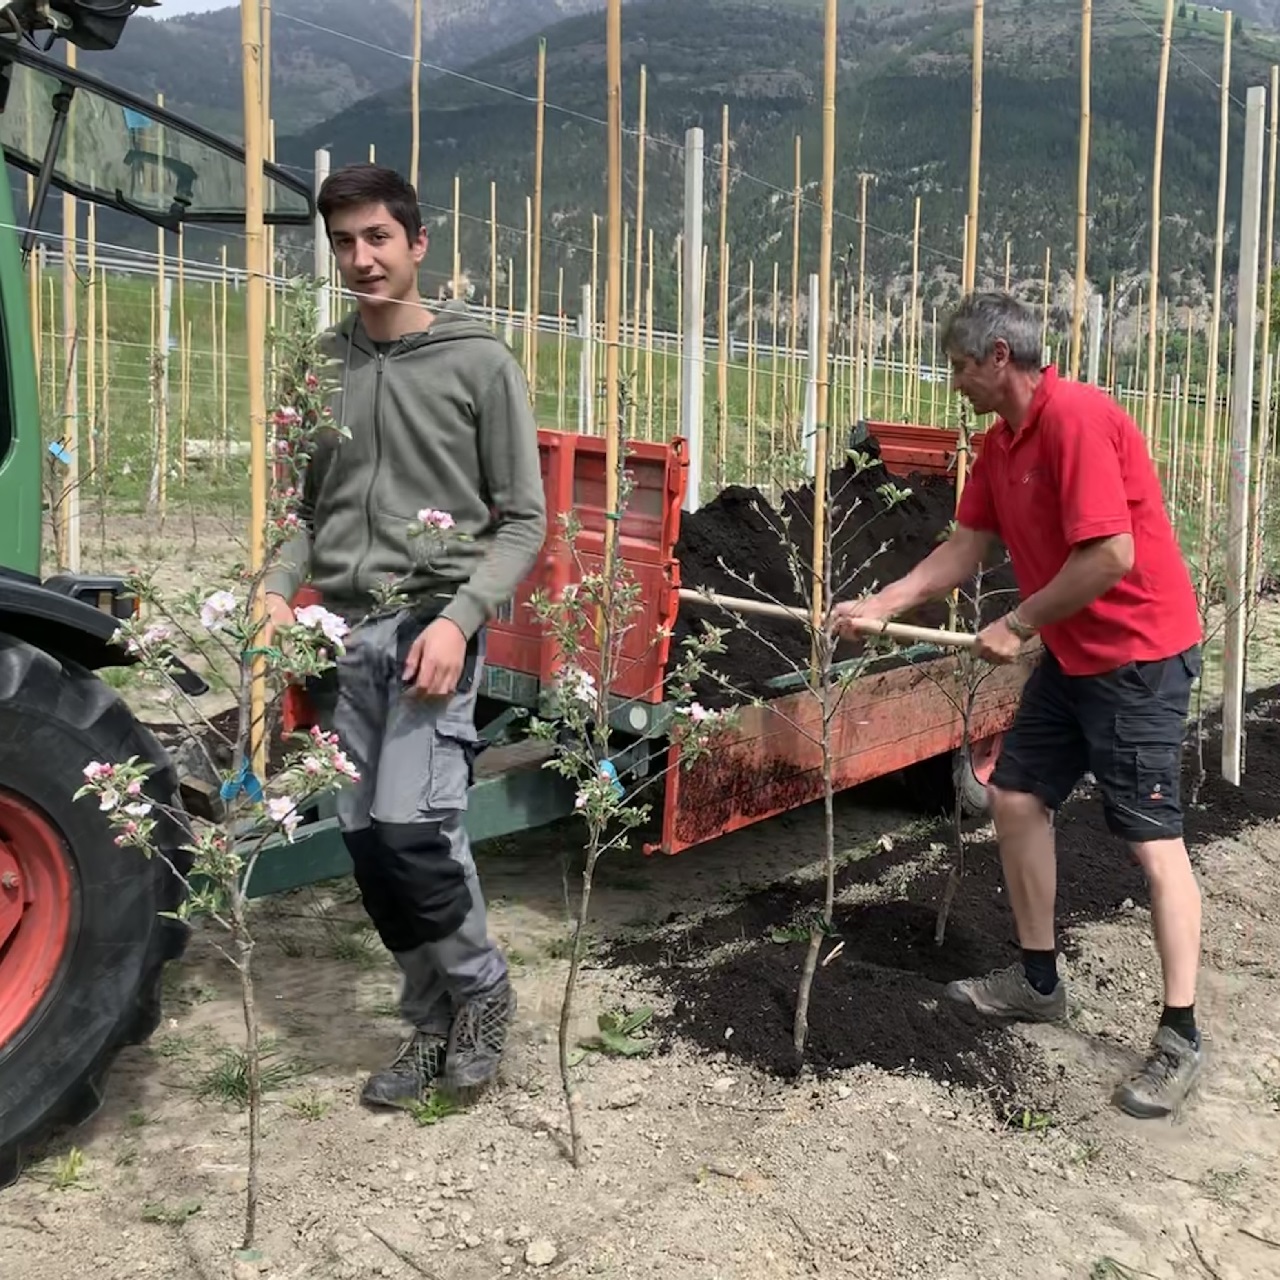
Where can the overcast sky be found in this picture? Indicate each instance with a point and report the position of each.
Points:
(171, 8)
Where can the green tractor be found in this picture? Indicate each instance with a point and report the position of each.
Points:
(82, 939)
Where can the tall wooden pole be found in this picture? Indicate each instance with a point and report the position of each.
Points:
(1268, 376)
(859, 340)
(824, 319)
(722, 354)
(613, 308)
(535, 284)
(1209, 431)
(69, 378)
(975, 157)
(637, 289)
(793, 340)
(1233, 659)
(1162, 92)
(1082, 184)
(255, 343)
(415, 101)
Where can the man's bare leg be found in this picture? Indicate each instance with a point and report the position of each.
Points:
(1028, 991)
(1175, 1060)
(1175, 916)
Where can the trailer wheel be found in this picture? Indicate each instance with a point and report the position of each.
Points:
(971, 768)
(82, 943)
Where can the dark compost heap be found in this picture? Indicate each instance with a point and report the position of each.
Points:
(880, 1002)
(873, 543)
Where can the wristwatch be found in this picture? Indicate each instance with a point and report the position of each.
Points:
(1018, 627)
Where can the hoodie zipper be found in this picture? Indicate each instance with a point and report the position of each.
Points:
(373, 475)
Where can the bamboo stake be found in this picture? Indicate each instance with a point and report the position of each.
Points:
(822, 425)
(860, 339)
(933, 364)
(648, 345)
(722, 355)
(613, 25)
(535, 256)
(456, 273)
(773, 364)
(597, 356)
(255, 344)
(640, 158)
(415, 100)
(1044, 309)
(751, 371)
(913, 368)
(1149, 420)
(69, 503)
(561, 370)
(184, 360)
(105, 451)
(1111, 338)
(162, 405)
(91, 342)
(1209, 430)
(493, 254)
(1082, 184)
(34, 292)
(226, 350)
(1008, 263)
(975, 178)
(1268, 377)
(530, 302)
(794, 365)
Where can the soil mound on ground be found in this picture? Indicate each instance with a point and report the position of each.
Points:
(768, 550)
(880, 1002)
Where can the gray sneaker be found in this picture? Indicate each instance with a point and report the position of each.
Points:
(1171, 1071)
(409, 1077)
(1005, 995)
(478, 1037)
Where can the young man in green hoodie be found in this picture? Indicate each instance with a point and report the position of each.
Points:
(439, 438)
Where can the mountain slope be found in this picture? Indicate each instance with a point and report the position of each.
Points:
(904, 104)
(325, 54)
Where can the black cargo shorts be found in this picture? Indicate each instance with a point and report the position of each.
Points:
(1126, 727)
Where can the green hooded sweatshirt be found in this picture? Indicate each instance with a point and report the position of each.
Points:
(437, 420)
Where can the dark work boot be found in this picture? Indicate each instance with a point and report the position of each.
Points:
(410, 1076)
(477, 1039)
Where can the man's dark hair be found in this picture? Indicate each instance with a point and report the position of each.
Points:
(356, 185)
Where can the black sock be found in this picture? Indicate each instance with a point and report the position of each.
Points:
(1041, 968)
(1182, 1019)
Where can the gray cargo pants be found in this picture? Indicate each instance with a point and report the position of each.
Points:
(403, 821)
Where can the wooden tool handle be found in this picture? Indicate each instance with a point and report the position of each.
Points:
(868, 626)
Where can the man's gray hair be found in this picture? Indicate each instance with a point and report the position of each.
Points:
(982, 318)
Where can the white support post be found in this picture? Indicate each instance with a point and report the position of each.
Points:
(320, 269)
(1241, 440)
(693, 366)
(811, 387)
(586, 367)
(1095, 338)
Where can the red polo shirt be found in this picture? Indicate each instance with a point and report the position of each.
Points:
(1078, 469)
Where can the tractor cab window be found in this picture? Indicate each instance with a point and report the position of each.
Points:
(115, 149)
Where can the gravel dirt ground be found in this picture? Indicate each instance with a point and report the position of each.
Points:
(912, 1147)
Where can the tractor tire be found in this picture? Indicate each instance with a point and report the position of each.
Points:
(82, 942)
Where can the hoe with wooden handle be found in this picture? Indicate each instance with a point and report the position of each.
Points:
(894, 630)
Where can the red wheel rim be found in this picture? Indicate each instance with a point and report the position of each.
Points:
(983, 756)
(35, 910)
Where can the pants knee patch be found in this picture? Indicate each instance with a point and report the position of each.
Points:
(383, 901)
(435, 894)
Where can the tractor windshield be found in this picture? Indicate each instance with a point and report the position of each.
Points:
(115, 149)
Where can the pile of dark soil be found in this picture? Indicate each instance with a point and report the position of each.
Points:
(766, 548)
(880, 1002)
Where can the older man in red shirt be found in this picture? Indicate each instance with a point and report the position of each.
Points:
(1065, 481)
